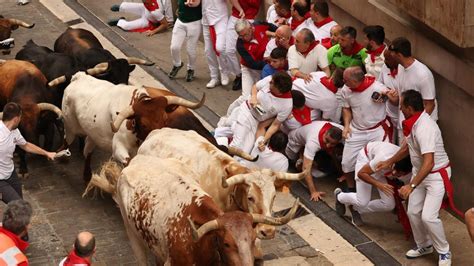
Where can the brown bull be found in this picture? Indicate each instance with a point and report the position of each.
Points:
(6, 28)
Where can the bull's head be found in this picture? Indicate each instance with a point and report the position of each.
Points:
(148, 114)
(6, 28)
(254, 191)
(235, 235)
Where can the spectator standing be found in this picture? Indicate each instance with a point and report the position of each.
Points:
(348, 52)
(374, 43)
(187, 26)
(320, 23)
(334, 39)
(299, 15)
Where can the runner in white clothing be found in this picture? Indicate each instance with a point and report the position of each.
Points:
(367, 177)
(270, 99)
(363, 115)
(374, 43)
(313, 137)
(320, 23)
(272, 157)
(431, 174)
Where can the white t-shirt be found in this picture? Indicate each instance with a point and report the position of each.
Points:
(425, 137)
(271, 105)
(8, 141)
(308, 136)
(379, 151)
(392, 83)
(365, 112)
(322, 32)
(268, 159)
(300, 27)
(374, 68)
(272, 15)
(213, 11)
(270, 46)
(418, 77)
(318, 97)
(316, 57)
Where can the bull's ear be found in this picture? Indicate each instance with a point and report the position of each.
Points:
(131, 68)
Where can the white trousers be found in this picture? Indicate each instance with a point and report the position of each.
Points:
(361, 199)
(249, 78)
(215, 62)
(181, 31)
(355, 143)
(137, 9)
(423, 211)
(244, 130)
(230, 46)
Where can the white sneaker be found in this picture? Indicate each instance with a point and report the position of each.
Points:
(418, 252)
(444, 259)
(212, 83)
(225, 80)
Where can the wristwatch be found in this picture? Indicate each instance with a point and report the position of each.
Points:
(413, 186)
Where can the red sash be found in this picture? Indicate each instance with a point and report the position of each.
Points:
(328, 84)
(151, 26)
(213, 35)
(323, 131)
(151, 5)
(407, 124)
(310, 48)
(302, 116)
(368, 80)
(376, 52)
(387, 126)
(448, 186)
(323, 22)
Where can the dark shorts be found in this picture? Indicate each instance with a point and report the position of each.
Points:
(10, 189)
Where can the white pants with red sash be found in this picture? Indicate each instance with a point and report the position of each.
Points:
(244, 129)
(214, 47)
(356, 142)
(361, 199)
(423, 211)
(249, 78)
(137, 9)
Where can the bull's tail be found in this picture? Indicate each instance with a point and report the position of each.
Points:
(106, 180)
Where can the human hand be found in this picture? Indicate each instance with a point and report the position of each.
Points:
(386, 188)
(307, 78)
(50, 155)
(392, 95)
(405, 191)
(383, 165)
(149, 33)
(253, 102)
(242, 14)
(346, 133)
(342, 178)
(261, 145)
(317, 195)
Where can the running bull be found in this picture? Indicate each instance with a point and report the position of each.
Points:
(7, 25)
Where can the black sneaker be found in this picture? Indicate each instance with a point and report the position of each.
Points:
(115, 8)
(340, 208)
(174, 71)
(237, 85)
(114, 22)
(190, 75)
(356, 218)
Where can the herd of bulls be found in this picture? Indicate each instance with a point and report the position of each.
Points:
(181, 195)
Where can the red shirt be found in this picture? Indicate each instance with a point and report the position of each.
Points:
(250, 8)
(255, 48)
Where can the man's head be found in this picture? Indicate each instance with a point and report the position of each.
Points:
(283, 35)
(84, 246)
(244, 29)
(303, 40)
(338, 77)
(319, 10)
(299, 9)
(400, 48)
(402, 167)
(390, 61)
(353, 76)
(374, 36)
(298, 99)
(332, 137)
(12, 113)
(411, 102)
(283, 8)
(17, 217)
(278, 58)
(278, 142)
(280, 83)
(335, 31)
(347, 37)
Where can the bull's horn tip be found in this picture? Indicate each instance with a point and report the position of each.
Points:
(31, 26)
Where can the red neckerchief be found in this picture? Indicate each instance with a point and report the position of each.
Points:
(323, 131)
(393, 72)
(355, 49)
(302, 116)
(151, 5)
(288, 15)
(407, 124)
(326, 42)
(295, 23)
(310, 48)
(73, 259)
(368, 80)
(285, 95)
(323, 22)
(22, 245)
(329, 84)
(376, 52)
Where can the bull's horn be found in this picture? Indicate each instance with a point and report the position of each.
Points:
(290, 177)
(98, 69)
(20, 23)
(138, 61)
(204, 229)
(180, 101)
(233, 180)
(241, 154)
(50, 107)
(57, 81)
(127, 112)
(259, 218)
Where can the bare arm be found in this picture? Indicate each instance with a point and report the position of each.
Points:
(470, 222)
(32, 148)
(236, 5)
(274, 127)
(162, 27)
(295, 72)
(429, 106)
(365, 174)
(346, 118)
(262, 126)
(426, 167)
(401, 153)
(327, 71)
